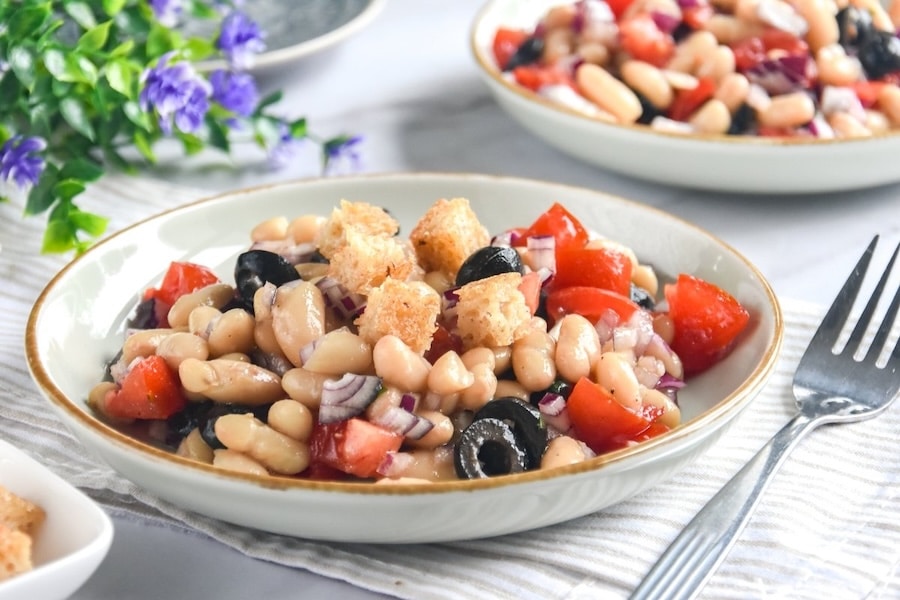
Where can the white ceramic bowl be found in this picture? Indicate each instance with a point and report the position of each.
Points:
(71, 543)
(710, 162)
(85, 305)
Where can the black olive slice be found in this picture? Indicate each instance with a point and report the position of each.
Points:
(207, 420)
(642, 297)
(525, 422)
(256, 267)
(528, 52)
(489, 261)
(486, 448)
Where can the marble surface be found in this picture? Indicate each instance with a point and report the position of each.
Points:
(409, 85)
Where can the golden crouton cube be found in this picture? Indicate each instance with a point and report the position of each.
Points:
(447, 234)
(18, 513)
(406, 309)
(15, 552)
(492, 311)
(365, 261)
(365, 218)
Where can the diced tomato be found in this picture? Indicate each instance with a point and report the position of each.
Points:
(566, 230)
(535, 76)
(687, 102)
(150, 390)
(748, 53)
(601, 422)
(442, 342)
(353, 446)
(592, 267)
(771, 131)
(506, 42)
(640, 37)
(590, 302)
(618, 7)
(778, 39)
(531, 289)
(707, 320)
(868, 91)
(697, 16)
(181, 278)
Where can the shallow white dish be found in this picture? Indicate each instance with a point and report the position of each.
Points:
(85, 306)
(297, 29)
(709, 162)
(71, 543)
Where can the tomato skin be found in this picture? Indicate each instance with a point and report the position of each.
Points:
(567, 231)
(536, 76)
(707, 321)
(506, 42)
(619, 7)
(868, 91)
(181, 278)
(604, 424)
(531, 289)
(592, 267)
(640, 37)
(687, 102)
(354, 446)
(589, 302)
(442, 342)
(150, 390)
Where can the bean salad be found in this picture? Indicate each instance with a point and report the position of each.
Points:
(343, 350)
(771, 68)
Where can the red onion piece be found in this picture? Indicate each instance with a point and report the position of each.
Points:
(347, 397)
(395, 464)
(542, 252)
(344, 303)
(665, 22)
(404, 422)
(783, 16)
(554, 412)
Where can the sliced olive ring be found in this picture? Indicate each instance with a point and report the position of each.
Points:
(486, 448)
(489, 261)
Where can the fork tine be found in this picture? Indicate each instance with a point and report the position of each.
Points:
(884, 330)
(856, 337)
(837, 314)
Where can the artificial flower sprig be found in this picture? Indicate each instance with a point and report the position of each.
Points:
(83, 80)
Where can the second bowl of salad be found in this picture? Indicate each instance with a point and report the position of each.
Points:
(757, 96)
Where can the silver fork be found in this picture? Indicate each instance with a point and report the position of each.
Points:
(831, 386)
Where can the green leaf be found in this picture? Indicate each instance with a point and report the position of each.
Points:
(201, 10)
(40, 118)
(137, 116)
(268, 101)
(21, 60)
(113, 7)
(59, 237)
(81, 13)
(67, 189)
(81, 168)
(95, 38)
(120, 77)
(41, 197)
(26, 23)
(218, 135)
(197, 49)
(159, 41)
(298, 129)
(123, 49)
(192, 144)
(73, 112)
(91, 224)
(143, 144)
(82, 69)
(55, 62)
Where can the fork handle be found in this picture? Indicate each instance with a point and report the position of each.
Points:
(692, 557)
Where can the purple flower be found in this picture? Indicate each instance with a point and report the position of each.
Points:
(342, 149)
(239, 40)
(234, 91)
(167, 12)
(176, 93)
(286, 149)
(20, 161)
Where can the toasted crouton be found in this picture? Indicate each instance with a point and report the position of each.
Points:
(447, 234)
(15, 552)
(18, 513)
(406, 309)
(365, 261)
(492, 311)
(365, 218)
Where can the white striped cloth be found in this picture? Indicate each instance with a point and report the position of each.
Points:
(828, 526)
